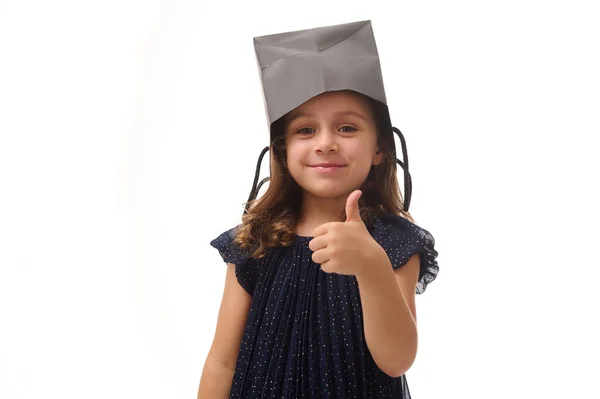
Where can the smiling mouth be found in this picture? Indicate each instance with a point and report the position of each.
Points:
(327, 167)
(326, 164)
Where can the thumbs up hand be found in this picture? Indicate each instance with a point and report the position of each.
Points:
(346, 247)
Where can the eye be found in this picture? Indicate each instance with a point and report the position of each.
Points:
(306, 130)
(347, 129)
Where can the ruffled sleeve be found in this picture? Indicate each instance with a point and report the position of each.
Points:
(401, 239)
(245, 269)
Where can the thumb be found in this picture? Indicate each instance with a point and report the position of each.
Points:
(352, 211)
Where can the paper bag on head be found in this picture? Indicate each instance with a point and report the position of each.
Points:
(298, 65)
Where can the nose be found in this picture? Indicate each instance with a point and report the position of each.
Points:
(327, 141)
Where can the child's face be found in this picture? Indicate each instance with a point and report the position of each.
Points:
(332, 128)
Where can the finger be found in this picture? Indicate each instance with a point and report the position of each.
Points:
(352, 209)
(318, 243)
(320, 256)
(327, 266)
(322, 229)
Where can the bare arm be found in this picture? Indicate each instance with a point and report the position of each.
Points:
(219, 366)
(390, 320)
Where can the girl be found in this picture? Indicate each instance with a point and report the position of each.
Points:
(319, 298)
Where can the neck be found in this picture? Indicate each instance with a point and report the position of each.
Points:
(315, 211)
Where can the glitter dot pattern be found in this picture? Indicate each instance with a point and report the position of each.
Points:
(304, 336)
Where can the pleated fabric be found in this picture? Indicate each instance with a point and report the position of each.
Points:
(304, 336)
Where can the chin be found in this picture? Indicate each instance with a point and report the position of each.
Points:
(327, 190)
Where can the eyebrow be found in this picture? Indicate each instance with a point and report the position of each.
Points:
(340, 113)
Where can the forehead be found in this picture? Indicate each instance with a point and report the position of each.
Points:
(333, 102)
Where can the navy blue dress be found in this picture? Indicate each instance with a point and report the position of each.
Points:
(304, 335)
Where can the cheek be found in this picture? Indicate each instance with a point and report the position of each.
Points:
(360, 151)
(294, 157)
(295, 152)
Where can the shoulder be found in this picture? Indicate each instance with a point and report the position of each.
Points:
(401, 239)
(400, 230)
(245, 267)
(229, 251)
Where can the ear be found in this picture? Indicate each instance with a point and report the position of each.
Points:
(377, 157)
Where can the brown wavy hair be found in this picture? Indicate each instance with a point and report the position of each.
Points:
(271, 219)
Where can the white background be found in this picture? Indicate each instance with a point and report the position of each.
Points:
(129, 132)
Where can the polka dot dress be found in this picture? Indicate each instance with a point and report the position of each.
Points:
(304, 335)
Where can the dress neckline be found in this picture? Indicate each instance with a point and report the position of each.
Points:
(300, 238)
(371, 229)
